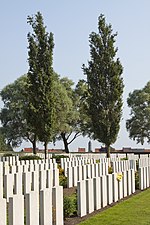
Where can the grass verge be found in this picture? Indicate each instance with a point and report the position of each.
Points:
(133, 211)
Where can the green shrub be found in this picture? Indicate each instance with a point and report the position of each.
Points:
(8, 154)
(58, 157)
(63, 180)
(137, 165)
(136, 180)
(29, 157)
(125, 158)
(70, 205)
(110, 169)
(97, 160)
(61, 171)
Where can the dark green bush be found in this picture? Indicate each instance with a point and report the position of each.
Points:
(70, 205)
(63, 180)
(29, 157)
(58, 157)
(136, 180)
(125, 158)
(110, 169)
(61, 171)
(8, 154)
(137, 165)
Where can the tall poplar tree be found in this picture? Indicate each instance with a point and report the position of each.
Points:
(40, 79)
(105, 85)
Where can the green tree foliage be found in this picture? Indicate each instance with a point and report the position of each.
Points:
(71, 118)
(105, 85)
(67, 114)
(3, 145)
(81, 93)
(13, 114)
(138, 125)
(40, 80)
(67, 106)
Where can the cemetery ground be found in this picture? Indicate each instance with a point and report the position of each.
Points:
(133, 210)
(74, 189)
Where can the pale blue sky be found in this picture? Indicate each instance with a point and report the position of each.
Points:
(72, 22)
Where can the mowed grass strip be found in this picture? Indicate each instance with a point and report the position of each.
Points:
(133, 211)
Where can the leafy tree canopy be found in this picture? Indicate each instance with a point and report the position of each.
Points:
(3, 145)
(13, 114)
(138, 125)
(67, 115)
(69, 111)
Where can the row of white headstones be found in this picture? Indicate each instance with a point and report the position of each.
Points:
(31, 190)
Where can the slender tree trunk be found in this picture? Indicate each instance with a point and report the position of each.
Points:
(65, 142)
(34, 145)
(108, 151)
(45, 150)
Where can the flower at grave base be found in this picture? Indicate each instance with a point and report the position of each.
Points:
(61, 171)
(110, 170)
(119, 177)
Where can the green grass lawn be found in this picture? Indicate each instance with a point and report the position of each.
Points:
(133, 211)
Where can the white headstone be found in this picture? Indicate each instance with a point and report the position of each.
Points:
(8, 185)
(90, 195)
(115, 187)
(129, 182)
(74, 173)
(46, 206)
(109, 189)
(27, 182)
(18, 188)
(81, 194)
(57, 199)
(104, 190)
(3, 211)
(16, 210)
(32, 208)
(97, 193)
(69, 177)
(124, 183)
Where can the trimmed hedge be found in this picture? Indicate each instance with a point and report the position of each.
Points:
(29, 157)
